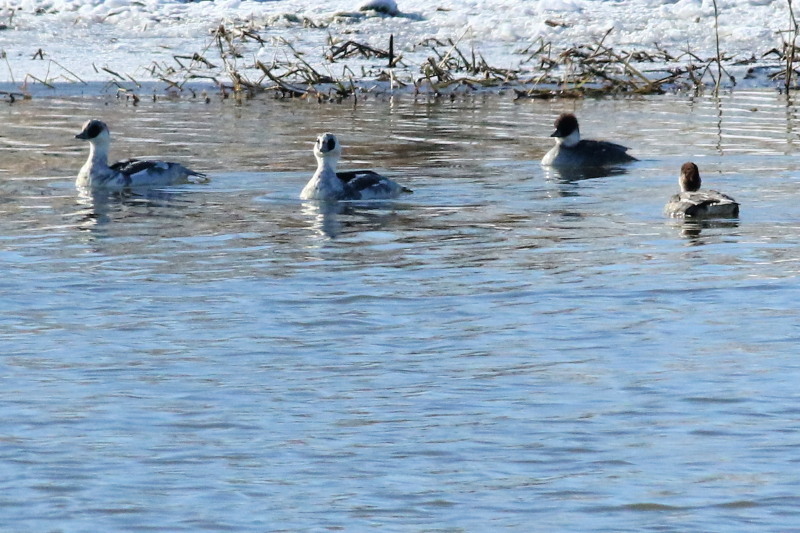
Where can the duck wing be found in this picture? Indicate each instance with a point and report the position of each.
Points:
(141, 172)
(702, 204)
(369, 185)
(360, 179)
(134, 166)
(604, 151)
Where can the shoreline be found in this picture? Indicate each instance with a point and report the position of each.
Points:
(260, 47)
(149, 92)
(441, 79)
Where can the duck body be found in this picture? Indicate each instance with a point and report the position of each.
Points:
(134, 173)
(96, 173)
(329, 185)
(694, 203)
(587, 153)
(705, 204)
(572, 151)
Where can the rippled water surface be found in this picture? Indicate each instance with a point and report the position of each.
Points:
(507, 349)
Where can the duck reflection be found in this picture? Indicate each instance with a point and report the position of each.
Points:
(691, 229)
(565, 181)
(101, 207)
(335, 219)
(570, 174)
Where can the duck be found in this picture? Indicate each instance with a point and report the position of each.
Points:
(329, 185)
(97, 174)
(571, 151)
(692, 202)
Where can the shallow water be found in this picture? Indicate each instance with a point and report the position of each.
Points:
(507, 349)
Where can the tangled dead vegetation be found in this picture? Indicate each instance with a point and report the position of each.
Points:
(234, 61)
(242, 60)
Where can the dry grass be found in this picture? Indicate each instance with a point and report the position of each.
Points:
(347, 67)
(587, 70)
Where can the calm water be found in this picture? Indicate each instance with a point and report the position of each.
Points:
(507, 349)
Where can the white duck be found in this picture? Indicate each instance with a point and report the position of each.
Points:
(97, 174)
(328, 185)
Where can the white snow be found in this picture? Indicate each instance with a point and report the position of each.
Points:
(388, 7)
(81, 38)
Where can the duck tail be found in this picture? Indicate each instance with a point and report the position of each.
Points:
(197, 177)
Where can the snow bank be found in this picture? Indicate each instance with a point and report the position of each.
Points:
(80, 41)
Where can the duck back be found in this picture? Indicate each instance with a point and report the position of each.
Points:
(697, 204)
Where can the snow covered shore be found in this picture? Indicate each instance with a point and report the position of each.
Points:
(85, 46)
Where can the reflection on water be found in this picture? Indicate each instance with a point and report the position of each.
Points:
(692, 228)
(334, 219)
(103, 207)
(579, 173)
(511, 345)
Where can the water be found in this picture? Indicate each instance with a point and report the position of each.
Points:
(507, 349)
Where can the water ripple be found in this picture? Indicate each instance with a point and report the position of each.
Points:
(508, 346)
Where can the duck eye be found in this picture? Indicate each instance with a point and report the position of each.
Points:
(93, 130)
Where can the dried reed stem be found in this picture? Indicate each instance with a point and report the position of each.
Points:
(719, 55)
(790, 52)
